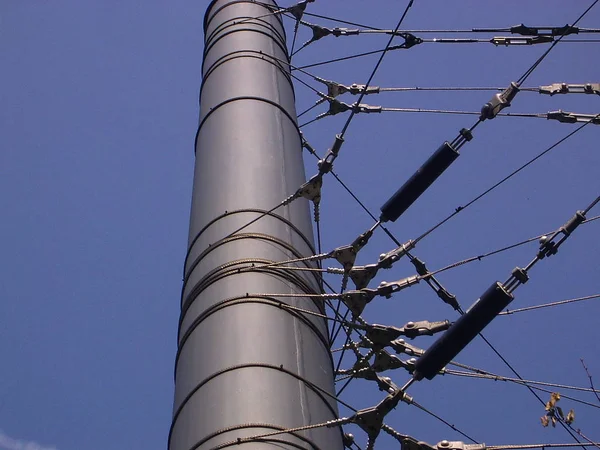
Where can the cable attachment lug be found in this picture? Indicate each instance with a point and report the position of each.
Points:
(346, 255)
(458, 445)
(336, 107)
(385, 361)
(357, 89)
(499, 102)
(400, 346)
(524, 30)
(564, 88)
(370, 420)
(424, 328)
(337, 32)
(568, 117)
(547, 245)
(381, 335)
(410, 40)
(410, 443)
(387, 259)
(507, 40)
(386, 289)
(334, 89)
(441, 292)
(326, 164)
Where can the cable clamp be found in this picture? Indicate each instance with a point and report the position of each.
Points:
(458, 445)
(507, 40)
(400, 346)
(326, 164)
(383, 335)
(499, 102)
(385, 361)
(544, 31)
(336, 107)
(547, 245)
(564, 88)
(387, 259)
(424, 328)
(410, 40)
(337, 32)
(386, 289)
(568, 117)
(410, 443)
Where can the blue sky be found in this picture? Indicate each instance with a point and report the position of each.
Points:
(99, 111)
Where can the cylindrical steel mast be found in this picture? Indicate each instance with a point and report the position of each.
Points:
(245, 365)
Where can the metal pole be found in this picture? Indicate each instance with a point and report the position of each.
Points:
(246, 366)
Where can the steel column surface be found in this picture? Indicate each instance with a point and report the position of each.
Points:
(245, 365)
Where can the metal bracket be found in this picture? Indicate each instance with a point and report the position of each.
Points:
(371, 419)
(362, 275)
(298, 9)
(311, 190)
(544, 31)
(357, 300)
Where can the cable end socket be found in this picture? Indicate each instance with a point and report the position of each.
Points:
(499, 101)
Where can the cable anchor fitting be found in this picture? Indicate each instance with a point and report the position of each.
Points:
(326, 164)
(547, 245)
(544, 31)
(565, 88)
(298, 9)
(311, 190)
(458, 445)
(370, 420)
(386, 289)
(499, 102)
(507, 40)
(387, 259)
(441, 292)
(362, 275)
(568, 117)
(401, 347)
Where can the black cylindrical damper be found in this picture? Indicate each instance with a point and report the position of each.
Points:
(463, 331)
(418, 183)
